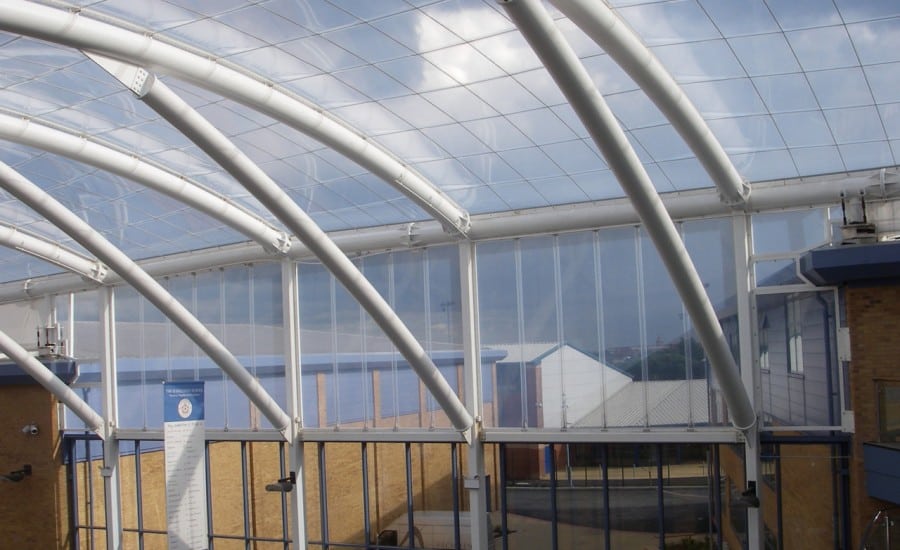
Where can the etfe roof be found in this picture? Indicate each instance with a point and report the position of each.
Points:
(446, 93)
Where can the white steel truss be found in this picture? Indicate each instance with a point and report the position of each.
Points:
(573, 80)
(72, 29)
(76, 147)
(37, 199)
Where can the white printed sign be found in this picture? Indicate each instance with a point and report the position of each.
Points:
(184, 429)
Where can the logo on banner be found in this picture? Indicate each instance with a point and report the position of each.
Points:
(185, 408)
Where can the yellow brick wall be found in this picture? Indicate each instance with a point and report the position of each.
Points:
(873, 315)
(33, 512)
(46, 493)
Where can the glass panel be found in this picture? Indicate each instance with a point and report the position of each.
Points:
(182, 351)
(686, 496)
(499, 324)
(505, 95)
(788, 92)
(888, 412)
(726, 98)
(621, 336)
(876, 41)
(700, 61)
(579, 496)
(776, 272)
(805, 129)
(683, 22)
(822, 48)
(415, 30)
(368, 43)
(840, 88)
(671, 349)
(633, 496)
(528, 498)
(796, 351)
(795, 231)
(765, 54)
(583, 379)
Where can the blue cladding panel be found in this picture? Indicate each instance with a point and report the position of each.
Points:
(882, 474)
(12, 375)
(848, 263)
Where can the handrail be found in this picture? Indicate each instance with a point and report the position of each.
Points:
(882, 516)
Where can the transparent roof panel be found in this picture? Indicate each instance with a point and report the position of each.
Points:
(451, 90)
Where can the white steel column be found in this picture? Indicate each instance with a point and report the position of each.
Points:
(199, 130)
(623, 45)
(573, 80)
(476, 482)
(80, 231)
(746, 312)
(112, 483)
(290, 305)
(54, 385)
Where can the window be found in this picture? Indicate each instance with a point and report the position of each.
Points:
(769, 465)
(795, 335)
(888, 411)
(764, 343)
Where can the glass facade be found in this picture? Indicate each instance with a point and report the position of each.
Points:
(432, 140)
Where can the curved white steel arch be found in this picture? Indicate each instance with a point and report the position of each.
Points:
(68, 28)
(557, 55)
(604, 27)
(40, 136)
(37, 199)
(54, 385)
(199, 130)
(53, 252)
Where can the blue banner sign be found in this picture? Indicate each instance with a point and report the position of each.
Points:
(183, 401)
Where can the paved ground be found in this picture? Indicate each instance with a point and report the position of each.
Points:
(534, 534)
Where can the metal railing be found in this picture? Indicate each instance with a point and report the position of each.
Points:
(883, 531)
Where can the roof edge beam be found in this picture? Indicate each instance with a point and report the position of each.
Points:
(681, 205)
(40, 201)
(78, 148)
(53, 252)
(53, 384)
(199, 130)
(606, 29)
(74, 30)
(560, 60)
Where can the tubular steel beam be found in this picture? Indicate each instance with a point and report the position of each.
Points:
(604, 27)
(72, 29)
(53, 384)
(68, 144)
(33, 196)
(53, 252)
(814, 192)
(570, 75)
(199, 130)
